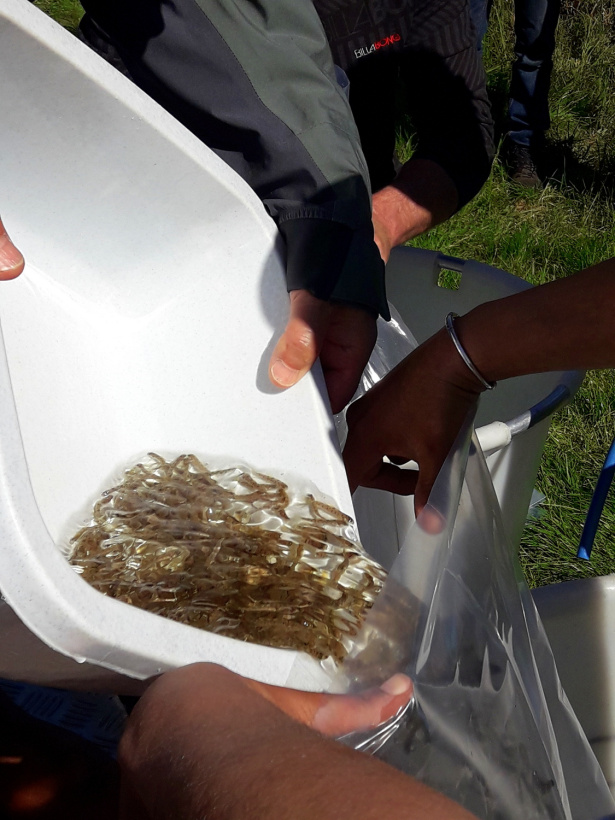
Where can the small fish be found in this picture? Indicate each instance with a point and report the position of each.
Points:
(233, 551)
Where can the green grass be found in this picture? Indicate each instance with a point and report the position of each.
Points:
(575, 451)
(541, 236)
(66, 12)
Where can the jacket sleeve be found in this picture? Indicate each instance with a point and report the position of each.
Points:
(255, 81)
(448, 101)
(424, 51)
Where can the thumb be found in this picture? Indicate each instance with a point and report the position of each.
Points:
(336, 715)
(299, 346)
(11, 260)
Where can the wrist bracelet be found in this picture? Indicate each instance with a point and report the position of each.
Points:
(450, 327)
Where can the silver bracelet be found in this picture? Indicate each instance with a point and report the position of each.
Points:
(451, 332)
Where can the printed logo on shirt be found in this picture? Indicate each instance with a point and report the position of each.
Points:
(386, 41)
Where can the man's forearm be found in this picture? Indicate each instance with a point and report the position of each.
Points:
(421, 196)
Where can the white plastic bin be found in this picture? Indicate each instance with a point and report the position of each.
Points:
(579, 618)
(512, 421)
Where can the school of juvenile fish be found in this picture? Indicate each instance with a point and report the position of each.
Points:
(232, 551)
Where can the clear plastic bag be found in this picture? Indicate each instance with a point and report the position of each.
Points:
(489, 725)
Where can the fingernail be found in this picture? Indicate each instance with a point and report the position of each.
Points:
(283, 375)
(396, 685)
(10, 257)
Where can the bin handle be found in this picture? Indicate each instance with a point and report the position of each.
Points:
(450, 262)
(499, 434)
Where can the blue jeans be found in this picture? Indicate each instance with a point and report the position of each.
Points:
(535, 25)
(479, 11)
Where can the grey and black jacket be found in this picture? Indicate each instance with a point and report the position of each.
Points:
(255, 81)
(418, 58)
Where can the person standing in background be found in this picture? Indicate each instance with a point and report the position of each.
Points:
(418, 56)
(528, 103)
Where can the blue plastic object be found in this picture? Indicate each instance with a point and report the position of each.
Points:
(597, 504)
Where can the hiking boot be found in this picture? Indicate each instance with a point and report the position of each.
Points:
(519, 162)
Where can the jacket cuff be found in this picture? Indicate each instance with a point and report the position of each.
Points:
(334, 262)
(362, 281)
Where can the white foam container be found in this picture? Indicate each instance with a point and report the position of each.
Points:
(152, 296)
(145, 318)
